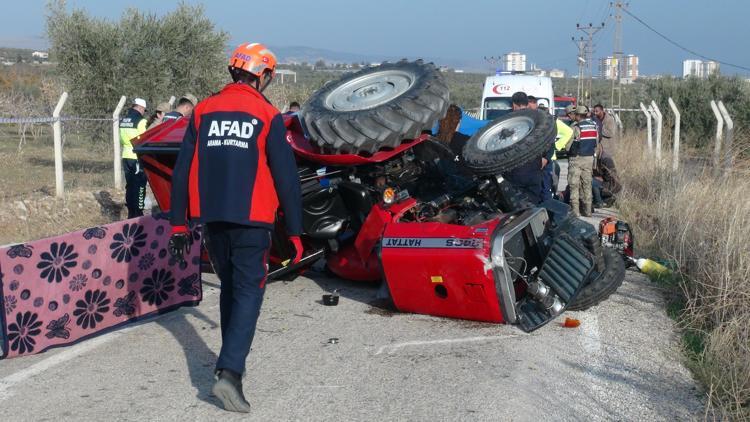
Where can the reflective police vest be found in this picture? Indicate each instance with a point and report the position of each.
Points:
(131, 126)
(564, 133)
(588, 135)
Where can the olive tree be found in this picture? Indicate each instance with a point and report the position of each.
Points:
(140, 55)
(692, 96)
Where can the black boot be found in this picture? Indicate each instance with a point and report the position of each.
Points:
(228, 389)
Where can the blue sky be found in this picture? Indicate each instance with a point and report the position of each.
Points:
(467, 29)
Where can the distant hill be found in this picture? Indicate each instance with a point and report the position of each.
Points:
(300, 54)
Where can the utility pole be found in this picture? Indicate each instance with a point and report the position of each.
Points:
(492, 61)
(581, 60)
(617, 54)
(589, 30)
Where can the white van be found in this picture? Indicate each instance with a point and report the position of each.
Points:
(499, 88)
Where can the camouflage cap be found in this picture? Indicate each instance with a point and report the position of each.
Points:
(570, 109)
(582, 110)
(165, 107)
(191, 98)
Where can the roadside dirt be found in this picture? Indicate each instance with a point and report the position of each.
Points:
(39, 214)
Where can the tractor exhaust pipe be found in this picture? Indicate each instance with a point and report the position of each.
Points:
(542, 293)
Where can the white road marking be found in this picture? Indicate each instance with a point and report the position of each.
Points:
(72, 352)
(393, 348)
(590, 338)
(592, 345)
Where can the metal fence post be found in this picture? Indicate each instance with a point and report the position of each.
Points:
(728, 139)
(648, 127)
(676, 147)
(57, 133)
(172, 100)
(719, 132)
(116, 142)
(659, 119)
(620, 125)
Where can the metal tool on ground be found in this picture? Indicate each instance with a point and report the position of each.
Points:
(331, 299)
(617, 234)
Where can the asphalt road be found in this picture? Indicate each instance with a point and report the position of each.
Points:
(622, 363)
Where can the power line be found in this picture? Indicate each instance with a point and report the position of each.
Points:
(590, 31)
(680, 46)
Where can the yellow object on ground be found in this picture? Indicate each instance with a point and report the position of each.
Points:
(651, 267)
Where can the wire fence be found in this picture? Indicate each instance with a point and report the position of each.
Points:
(85, 150)
(28, 157)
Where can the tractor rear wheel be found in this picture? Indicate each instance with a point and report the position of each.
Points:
(602, 287)
(375, 108)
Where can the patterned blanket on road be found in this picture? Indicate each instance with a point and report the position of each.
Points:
(61, 290)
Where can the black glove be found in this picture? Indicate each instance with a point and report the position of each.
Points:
(179, 244)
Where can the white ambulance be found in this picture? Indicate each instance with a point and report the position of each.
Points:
(499, 88)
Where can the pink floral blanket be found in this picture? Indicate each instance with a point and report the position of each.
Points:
(58, 291)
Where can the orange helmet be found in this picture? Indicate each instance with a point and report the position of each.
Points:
(253, 58)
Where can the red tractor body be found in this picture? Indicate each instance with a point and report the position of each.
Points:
(441, 244)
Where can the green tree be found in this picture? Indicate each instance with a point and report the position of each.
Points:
(693, 95)
(141, 55)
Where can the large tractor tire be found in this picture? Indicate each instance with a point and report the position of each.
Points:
(376, 107)
(603, 286)
(509, 141)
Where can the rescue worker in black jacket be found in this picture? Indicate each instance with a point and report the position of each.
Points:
(185, 106)
(527, 177)
(233, 170)
(132, 125)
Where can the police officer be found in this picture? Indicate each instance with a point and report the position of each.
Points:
(131, 126)
(233, 169)
(581, 150)
(184, 108)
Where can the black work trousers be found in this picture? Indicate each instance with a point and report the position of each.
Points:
(135, 187)
(239, 255)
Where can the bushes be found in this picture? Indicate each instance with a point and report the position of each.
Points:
(140, 55)
(701, 222)
(692, 96)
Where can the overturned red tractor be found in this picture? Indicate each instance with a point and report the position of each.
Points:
(383, 201)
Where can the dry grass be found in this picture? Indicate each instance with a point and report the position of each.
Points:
(28, 208)
(701, 222)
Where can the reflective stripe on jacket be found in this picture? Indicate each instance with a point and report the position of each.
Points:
(131, 126)
(235, 164)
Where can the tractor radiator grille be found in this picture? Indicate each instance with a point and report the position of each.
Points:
(565, 270)
(566, 267)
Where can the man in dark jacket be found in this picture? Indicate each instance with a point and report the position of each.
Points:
(184, 108)
(527, 178)
(233, 170)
